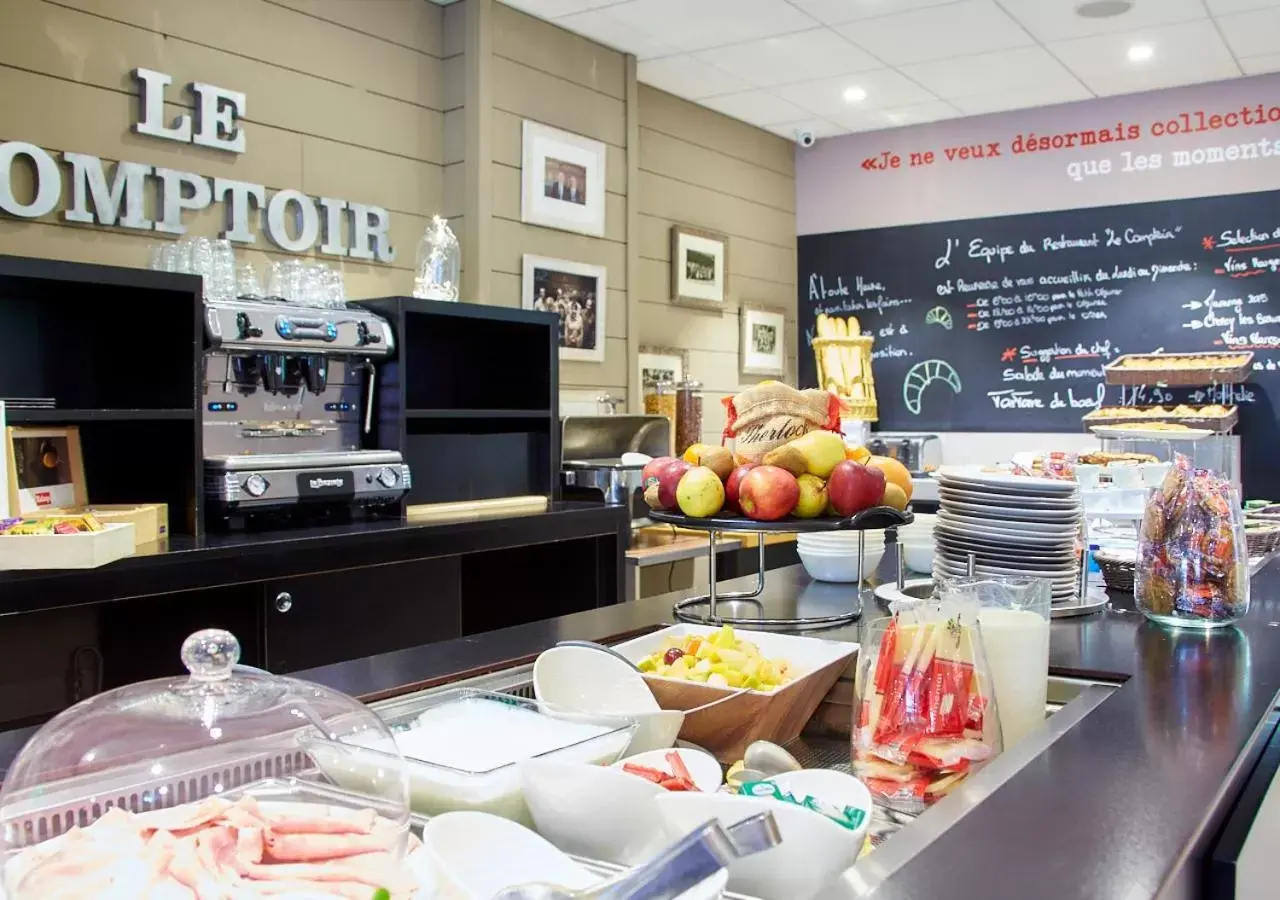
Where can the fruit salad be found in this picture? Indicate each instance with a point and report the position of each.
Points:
(719, 659)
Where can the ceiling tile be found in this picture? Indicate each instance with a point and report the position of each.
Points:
(803, 56)
(1261, 65)
(1252, 33)
(1185, 53)
(896, 117)
(956, 29)
(1053, 20)
(999, 101)
(699, 25)
(600, 26)
(820, 128)
(1026, 67)
(756, 107)
(837, 12)
(550, 9)
(687, 77)
(1226, 7)
(885, 89)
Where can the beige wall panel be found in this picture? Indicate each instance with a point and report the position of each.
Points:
(402, 185)
(684, 161)
(525, 91)
(667, 113)
(507, 150)
(256, 30)
(664, 325)
(455, 136)
(102, 53)
(96, 121)
(553, 50)
(504, 290)
(454, 93)
(416, 24)
(454, 38)
(719, 371)
(655, 287)
(611, 373)
(511, 240)
(704, 208)
(750, 259)
(507, 198)
(453, 204)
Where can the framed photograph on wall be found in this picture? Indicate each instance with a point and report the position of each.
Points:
(577, 293)
(563, 180)
(46, 470)
(764, 348)
(659, 364)
(699, 267)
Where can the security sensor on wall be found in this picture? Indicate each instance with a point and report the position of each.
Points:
(805, 138)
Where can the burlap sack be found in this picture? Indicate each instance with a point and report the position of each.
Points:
(770, 414)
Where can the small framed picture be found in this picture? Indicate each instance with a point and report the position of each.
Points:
(658, 364)
(46, 470)
(563, 180)
(577, 293)
(764, 349)
(699, 267)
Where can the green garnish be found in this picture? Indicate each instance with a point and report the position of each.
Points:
(381, 894)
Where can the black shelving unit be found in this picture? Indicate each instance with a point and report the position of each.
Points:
(119, 351)
(471, 399)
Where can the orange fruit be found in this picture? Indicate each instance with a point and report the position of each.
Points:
(894, 472)
(693, 453)
(857, 454)
(894, 496)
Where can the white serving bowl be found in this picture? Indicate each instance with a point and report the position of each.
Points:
(591, 681)
(839, 566)
(476, 855)
(605, 813)
(919, 557)
(814, 849)
(839, 539)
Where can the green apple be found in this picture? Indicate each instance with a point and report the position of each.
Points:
(813, 497)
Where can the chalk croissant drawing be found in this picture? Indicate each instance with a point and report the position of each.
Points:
(921, 375)
(939, 315)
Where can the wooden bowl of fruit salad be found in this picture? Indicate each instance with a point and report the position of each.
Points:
(770, 684)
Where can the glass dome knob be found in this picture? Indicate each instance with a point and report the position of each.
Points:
(210, 654)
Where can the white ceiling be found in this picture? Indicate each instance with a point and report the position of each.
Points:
(786, 65)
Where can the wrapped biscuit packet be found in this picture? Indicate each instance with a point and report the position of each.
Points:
(925, 711)
(771, 413)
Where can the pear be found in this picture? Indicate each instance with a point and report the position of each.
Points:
(822, 451)
(788, 457)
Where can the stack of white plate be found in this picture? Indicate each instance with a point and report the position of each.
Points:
(833, 555)
(1012, 525)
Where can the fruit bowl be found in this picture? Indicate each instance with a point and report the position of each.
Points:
(874, 519)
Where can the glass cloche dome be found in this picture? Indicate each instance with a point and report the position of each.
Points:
(213, 779)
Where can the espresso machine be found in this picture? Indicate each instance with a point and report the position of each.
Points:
(288, 395)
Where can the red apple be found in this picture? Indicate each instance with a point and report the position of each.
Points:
(731, 486)
(660, 493)
(653, 467)
(854, 487)
(768, 493)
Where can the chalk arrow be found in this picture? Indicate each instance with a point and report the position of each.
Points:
(1194, 304)
(1193, 325)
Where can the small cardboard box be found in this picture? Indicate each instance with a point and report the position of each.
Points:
(67, 551)
(150, 520)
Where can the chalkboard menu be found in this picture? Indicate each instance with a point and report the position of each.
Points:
(1004, 324)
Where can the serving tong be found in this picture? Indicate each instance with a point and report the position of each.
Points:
(688, 862)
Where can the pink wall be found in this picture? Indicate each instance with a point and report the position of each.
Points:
(1233, 146)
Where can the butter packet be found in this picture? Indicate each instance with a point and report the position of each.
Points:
(849, 817)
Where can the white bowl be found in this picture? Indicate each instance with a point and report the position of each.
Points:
(839, 538)
(919, 557)
(475, 855)
(814, 850)
(839, 567)
(605, 813)
(835, 788)
(590, 681)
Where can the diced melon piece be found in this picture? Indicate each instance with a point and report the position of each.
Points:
(648, 664)
(703, 666)
(715, 678)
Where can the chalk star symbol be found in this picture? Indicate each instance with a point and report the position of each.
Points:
(1009, 355)
(1207, 243)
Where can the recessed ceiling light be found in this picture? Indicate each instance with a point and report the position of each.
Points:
(855, 94)
(1103, 9)
(1141, 53)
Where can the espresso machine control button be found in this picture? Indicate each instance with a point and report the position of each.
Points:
(255, 485)
(246, 328)
(330, 332)
(365, 336)
(387, 477)
(284, 327)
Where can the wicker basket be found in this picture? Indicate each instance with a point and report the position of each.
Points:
(1118, 373)
(1117, 569)
(844, 366)
(1262, 537)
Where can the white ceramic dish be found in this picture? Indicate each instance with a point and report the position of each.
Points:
(1013, 529)
(605, 813)
(839, 567)
(1006, 481)
(1002, 537)
(476, 855)
(1010, 500)
(590, 681)
(814, 850)
(918, 557)
(1003, 514)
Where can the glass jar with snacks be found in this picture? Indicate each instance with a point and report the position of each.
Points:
(660, 400)
(924, 709)
(1193, 565)
(688, 415)
(208, 779)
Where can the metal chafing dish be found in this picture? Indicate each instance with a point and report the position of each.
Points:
(592, 450)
